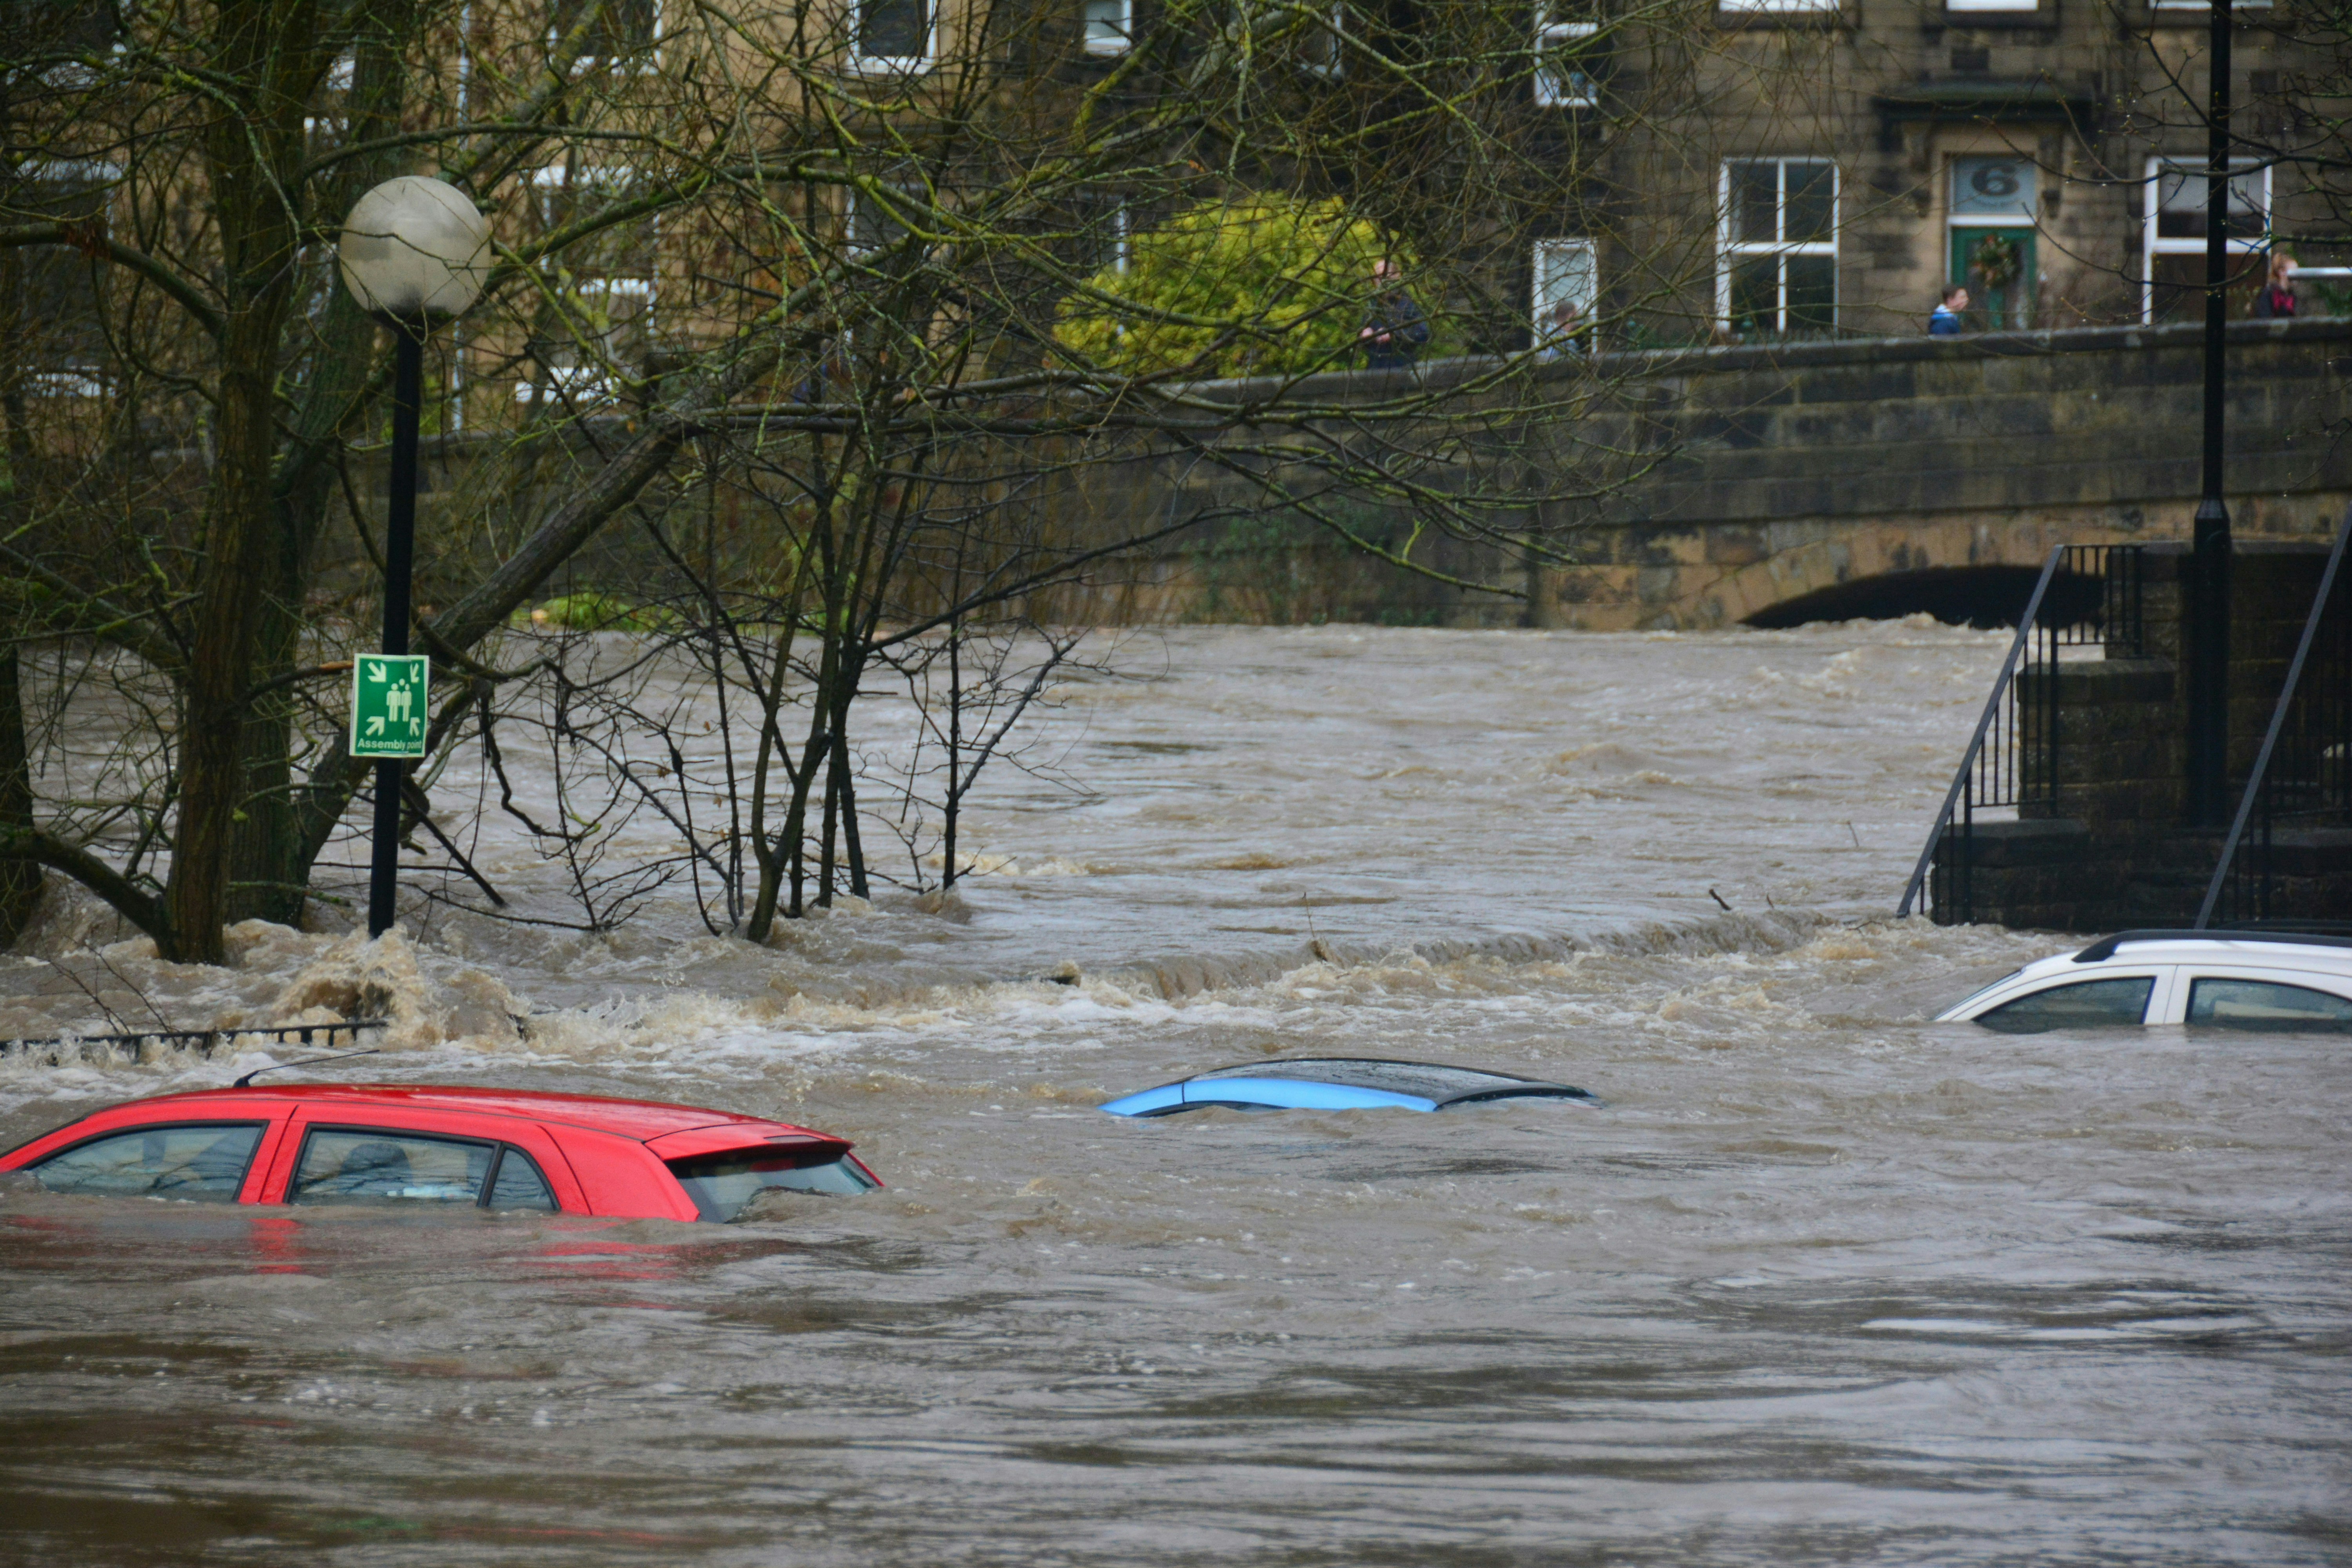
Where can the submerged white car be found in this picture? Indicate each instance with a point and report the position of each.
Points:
(2272, 982)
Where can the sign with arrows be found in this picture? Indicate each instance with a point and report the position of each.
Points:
(388, 693)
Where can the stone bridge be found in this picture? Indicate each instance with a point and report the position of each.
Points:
(1819, 481)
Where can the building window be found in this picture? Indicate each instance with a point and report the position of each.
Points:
(623, 30)
(1108, 235)
(63, 331)
(1561, 80)
(1110, 25)
(1774, 7)
(599, 292)
(872, 224)
(892, 35)
(2173, 284)
(1320, 55)
(1993, 250)
(1778, 270)
(2011, 7)
(1566, 285)
(88, 28)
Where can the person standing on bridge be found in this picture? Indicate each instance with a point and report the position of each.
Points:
(1946, 322)
(2275, 301)
(1395, 329)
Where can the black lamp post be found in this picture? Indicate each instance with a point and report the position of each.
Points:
(415, 253)
(2209, 627)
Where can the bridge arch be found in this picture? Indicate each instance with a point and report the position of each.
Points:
(1979, 596)
(1968, 569)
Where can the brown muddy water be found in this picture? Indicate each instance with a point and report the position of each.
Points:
(1823, 1283)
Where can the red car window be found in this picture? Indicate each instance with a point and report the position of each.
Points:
(376, 1165)
(531, 1174)
(517, 1184)
(199, 1161)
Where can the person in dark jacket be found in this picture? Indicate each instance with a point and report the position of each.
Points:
(1395, 330)
(1946, 322)
(2275, 298)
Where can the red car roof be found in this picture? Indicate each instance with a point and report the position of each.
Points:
(640, 1119)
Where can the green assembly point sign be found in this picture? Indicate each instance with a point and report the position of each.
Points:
(388, 705)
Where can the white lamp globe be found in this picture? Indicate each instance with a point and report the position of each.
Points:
(414, 251)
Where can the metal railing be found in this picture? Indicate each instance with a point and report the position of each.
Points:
(2303, 775)
(139, 1045)
(2088, 596)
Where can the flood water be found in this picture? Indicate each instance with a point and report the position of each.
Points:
(1823, 1283)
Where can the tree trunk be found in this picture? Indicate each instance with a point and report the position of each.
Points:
(269, 862)
(264, 46)
(20, 880)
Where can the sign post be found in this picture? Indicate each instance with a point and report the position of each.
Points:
(415, 253)
(388, 714)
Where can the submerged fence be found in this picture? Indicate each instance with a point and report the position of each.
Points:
(145, 1045)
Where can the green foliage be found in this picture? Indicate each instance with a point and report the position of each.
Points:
(594, 612)
(1268, 285)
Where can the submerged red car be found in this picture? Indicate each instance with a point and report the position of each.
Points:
(411, 1145)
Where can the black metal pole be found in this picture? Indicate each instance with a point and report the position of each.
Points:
(2209, 631)
(399, 540)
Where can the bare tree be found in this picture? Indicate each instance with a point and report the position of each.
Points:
(809, 267)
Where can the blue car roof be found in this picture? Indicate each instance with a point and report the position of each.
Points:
(1318, 1084)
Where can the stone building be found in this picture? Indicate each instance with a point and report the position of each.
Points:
(1843, 159)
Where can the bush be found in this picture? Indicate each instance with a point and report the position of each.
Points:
(1273, 286)
(596, 612)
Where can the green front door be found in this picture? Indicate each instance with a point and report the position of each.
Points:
(2007, 299)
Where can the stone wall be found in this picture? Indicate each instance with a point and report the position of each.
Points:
(1796, 469)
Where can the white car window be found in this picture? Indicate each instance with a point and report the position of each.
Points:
(2230, 1001)
(2073, 1005)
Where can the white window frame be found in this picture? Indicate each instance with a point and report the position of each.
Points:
(76, 77)
(1122, 234)
(2152, 245)
(592, 382)
(1783, 8)
(644, 64)
(853, 209)
(1329, 41)
(70, 380)
(1116, 44)
(1539, 307)
(2204, 8)
(1577, 89)
(1729, 250)
(894, 65)
(1954, 218)
(2009, 7)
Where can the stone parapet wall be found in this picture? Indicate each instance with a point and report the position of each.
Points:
(1797, 469)
(2062, 875)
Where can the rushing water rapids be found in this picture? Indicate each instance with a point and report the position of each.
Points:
(1824, 1282)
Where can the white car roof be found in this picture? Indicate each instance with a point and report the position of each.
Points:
(2248, 950)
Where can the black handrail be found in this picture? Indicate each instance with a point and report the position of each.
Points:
(1984, 724)
(2278, 722)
